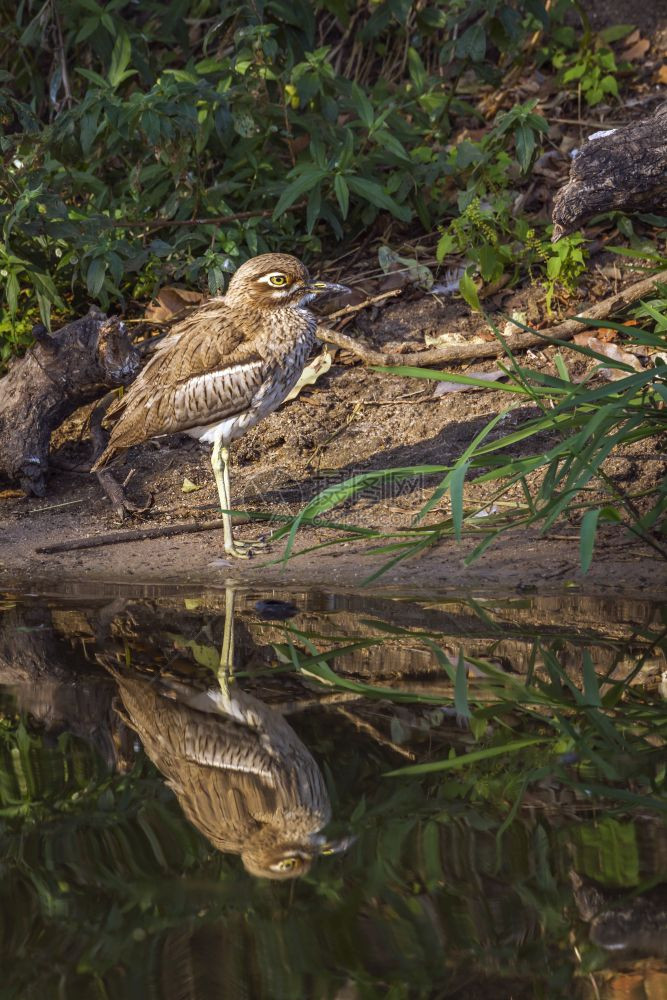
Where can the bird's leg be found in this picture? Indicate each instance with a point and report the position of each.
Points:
(226, 668)
(220, 463)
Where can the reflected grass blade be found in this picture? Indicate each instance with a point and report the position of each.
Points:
(468, 758)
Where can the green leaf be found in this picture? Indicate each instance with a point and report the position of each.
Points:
(95, 276)
(490, 263)
(346, 155)
(472, 43)
(587, 538)
(342, 194)
(373, 193)
(615, 32)
(609, 85)
(92, 77)
(304, 183)
(554, 265)
(45, 287)
(468, 292)
(12, 289)
(362, 105)
(88, 131)
(574, 73)
(120, 57)
(390, 142)
(44, 303)
(417, 70)
(446, 245)
(524, 140)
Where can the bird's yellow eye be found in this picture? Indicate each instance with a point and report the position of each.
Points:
(286, 864)
(278, 280)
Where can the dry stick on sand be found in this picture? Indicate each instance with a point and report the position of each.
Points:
(136, 535)
(475, 349)
(458, 352)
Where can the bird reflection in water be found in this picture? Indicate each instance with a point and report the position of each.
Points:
(238, 769)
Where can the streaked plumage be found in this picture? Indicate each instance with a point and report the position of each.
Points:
(239, 771)
(224, 367)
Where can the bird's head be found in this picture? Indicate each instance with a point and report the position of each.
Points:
(276, 280)
(285, 862)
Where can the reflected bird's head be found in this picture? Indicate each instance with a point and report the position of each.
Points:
(291, 862)
(275, 280)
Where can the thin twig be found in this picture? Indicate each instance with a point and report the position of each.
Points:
(55, 506)
(365, 727)
(346, 310)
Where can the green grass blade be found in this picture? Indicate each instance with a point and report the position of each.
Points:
(464, 759)
(587, 538)
(456, 494)
(461, 687)
(591, 686)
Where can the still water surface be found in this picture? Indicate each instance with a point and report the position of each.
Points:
(315, 795)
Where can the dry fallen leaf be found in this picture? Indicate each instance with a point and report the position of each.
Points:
(189, 487)
(612, 351)
(170, 300)
(606, 334)
(318, 366)
(510, 328)
(636, 51)
(662, 74)
(11, 494)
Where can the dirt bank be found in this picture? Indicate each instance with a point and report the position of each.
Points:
(353, 420)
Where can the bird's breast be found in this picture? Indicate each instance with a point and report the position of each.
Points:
(284, 345)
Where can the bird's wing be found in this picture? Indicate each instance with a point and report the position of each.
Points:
(227, 781)
(172, 730)
(209, 368)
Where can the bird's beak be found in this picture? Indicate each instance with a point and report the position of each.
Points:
(326, 288)
(337, 846)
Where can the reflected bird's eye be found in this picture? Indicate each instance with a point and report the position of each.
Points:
(285, 865)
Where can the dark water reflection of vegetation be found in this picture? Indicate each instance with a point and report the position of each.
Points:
(538, 868)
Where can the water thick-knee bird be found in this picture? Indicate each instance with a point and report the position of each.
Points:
(226, 366)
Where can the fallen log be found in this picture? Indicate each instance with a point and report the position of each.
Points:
(623, 168)
(60, 373)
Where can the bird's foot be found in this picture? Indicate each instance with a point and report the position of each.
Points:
(246, 550)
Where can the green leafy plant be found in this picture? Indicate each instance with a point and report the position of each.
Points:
(565, 263)
(147, 146)
(589, 63)
(486, 230)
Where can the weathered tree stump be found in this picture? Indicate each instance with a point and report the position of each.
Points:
(626, 168)
(60, 373)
